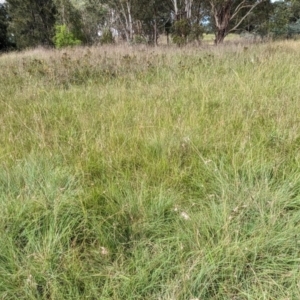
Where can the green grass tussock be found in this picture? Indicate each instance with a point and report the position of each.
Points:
(141, 173)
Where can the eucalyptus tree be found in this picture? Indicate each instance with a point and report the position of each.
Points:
(95, 16)
(182, 8)
(187, 17)
(120, 16)
(100, 15)
(258, 22)
(285, 21)
(133, 19)
(70, 16)
(228, 15)
(295, 10)
(31, 22)
(151, 18)
(4, 39)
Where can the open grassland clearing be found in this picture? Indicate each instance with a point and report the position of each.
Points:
(145, 173)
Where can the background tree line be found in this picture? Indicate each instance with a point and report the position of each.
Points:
(29, 23)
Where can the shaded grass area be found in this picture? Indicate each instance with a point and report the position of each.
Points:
(150, 174)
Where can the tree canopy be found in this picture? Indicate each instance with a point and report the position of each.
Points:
(4, 39)
(29, 23)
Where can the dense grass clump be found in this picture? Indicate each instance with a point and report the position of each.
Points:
(145, 173)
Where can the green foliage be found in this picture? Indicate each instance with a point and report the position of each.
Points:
(258, 22)
(295, 10)
(31, 22)
(64, 38)
(197, 31)
(294, 28)
(183, 31)
(4, 39)
(284, 22)
(153, 18)
(69, 15)
(139, 39)
(180, 31)
(94, 14)
(107, 37)
(280, 20)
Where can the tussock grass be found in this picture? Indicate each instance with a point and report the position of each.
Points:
(140, 173)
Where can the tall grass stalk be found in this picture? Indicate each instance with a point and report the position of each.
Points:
(142, 173)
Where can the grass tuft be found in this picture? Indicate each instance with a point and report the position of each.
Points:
(141, 173)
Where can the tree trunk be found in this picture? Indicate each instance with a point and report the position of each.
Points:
(220, 36)
(224, 13)
(127, 22)
(155, 32)
(130, 23)
(222, 18)
(125, 26)
(175, 6)
(188, 8)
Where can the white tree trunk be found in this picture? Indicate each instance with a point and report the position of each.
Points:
(175, 6)
(126, 13)
(188, 8)
(130, 23)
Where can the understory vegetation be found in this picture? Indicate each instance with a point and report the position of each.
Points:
(142, 173)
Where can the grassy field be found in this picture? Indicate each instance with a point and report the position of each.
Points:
(142, 173)
(232, 37)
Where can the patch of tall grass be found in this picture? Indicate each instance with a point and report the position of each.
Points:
(141, 173)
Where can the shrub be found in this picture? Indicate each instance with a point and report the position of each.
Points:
(184, 32)
(107, 37)
(139, 39)
(64, 38)
(181, 30)
(196, 33)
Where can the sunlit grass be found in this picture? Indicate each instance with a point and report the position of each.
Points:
(142, 173)
(209, 38)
